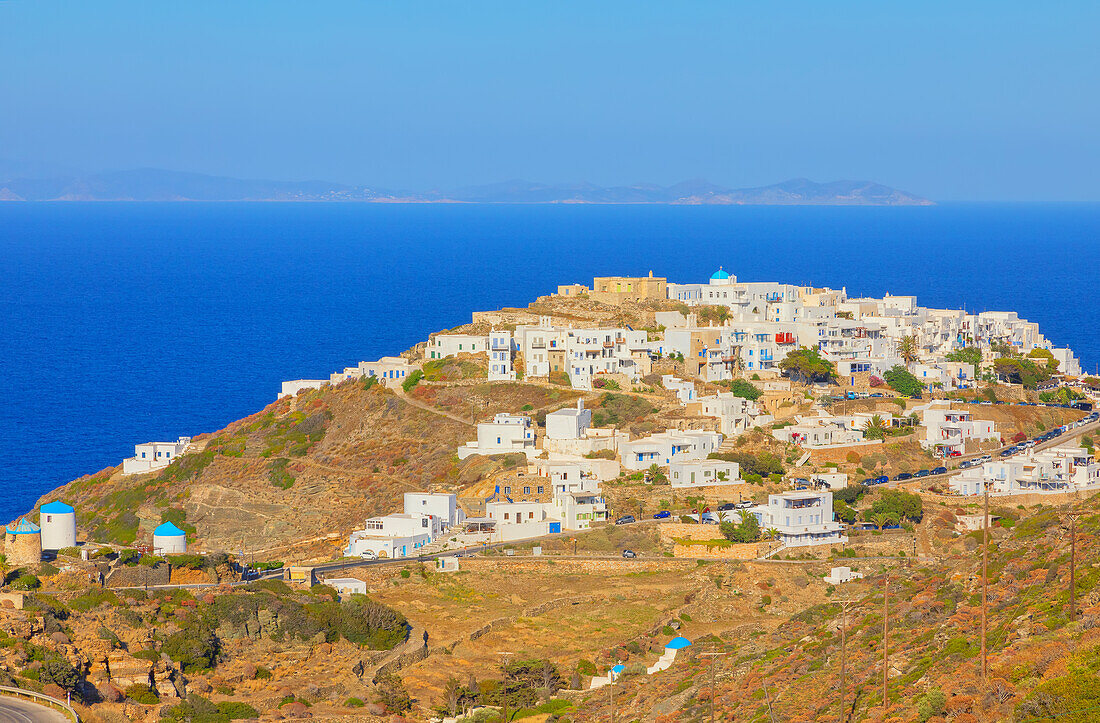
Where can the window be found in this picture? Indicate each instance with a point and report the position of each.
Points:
(540, 489)
(530, 515)
(526, 490)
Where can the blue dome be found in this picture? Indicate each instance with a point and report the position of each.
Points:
(720, 274)
(678, 643)
(169, 530)
(616, 669)
(57, 508)
(25, 527)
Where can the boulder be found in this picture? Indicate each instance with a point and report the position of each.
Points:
(110, 693)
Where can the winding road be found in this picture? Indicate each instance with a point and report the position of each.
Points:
(14, 710)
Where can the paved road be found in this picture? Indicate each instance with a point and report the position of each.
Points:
(14, 710)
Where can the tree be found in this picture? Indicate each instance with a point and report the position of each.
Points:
(771, 533)
(745, 389)
(881, 519)
(1046, 355)
(966, 355)
(898, 504)
(59, 671)
(1015, 370)
(807, 365)
(908, 348)
(747, 531)
(452, 692)
(902, 381)
(875, 429)
(5, 568)
(392, 693)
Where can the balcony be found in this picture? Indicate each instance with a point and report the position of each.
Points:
(784, 338)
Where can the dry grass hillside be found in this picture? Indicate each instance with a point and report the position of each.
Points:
(299, 469)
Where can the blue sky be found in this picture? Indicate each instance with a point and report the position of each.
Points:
(956, 101)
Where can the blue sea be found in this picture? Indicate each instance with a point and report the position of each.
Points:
(124, 323)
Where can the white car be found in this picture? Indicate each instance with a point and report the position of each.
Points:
(368, 555)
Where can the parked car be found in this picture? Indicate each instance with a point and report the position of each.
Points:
(368, 555)
(882, 480)
(625, 520)
(663, 514)
(902, 476)
(868, 482)
(922, 473)
(939, 470)
(726, 506)
(744, 505)
(1008, 452)
(967, 463)
(629, 553)
(956, 453)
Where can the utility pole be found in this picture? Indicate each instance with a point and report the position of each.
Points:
(1073, 515)
(844, 604)
(611, 691)
(712, 654)
(985, 576)
(885, 641)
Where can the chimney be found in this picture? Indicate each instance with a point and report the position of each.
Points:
(651, 273)
(580, 404)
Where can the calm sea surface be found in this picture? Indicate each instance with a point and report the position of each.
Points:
(125, 323)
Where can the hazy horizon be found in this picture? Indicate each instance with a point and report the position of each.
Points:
(974, 103)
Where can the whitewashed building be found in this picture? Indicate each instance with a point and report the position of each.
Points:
(667, 447)
(947, 430)
(801, 518)
(569, 423)
(704, 473)
(507, 433)
(154, 455)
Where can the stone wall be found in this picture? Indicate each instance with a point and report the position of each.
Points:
(745, 551)
(138, 576)
(669, 531)
(11, 600)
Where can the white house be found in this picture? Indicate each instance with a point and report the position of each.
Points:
(670, 446)
(501, 352)
(292, 388)
(569, 423)
(507, 433)
(347, 586)
(520, 520)
(154, 455)
(442, 507)
(841, 575)
(801, 518)
(441, 346)
(391, 536)
(685, 390)
(388, 369)
(704, 473)
(947, 429)
(819, 431)
(735, 414)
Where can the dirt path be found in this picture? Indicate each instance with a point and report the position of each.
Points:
(399, 391)
(923, 541)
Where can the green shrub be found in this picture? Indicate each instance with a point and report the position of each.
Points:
(354, 703)
(93, 598)
(194, 647)
(279, 475)
(143, 694)
(412, 380)
(930, 704)
(69, 552)
(26, 581)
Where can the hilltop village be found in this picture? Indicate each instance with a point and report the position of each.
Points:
(627, 481)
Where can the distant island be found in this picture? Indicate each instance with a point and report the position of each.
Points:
(164, 185)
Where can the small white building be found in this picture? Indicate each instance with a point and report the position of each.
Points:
(441, 346)
(801, 518)
(440, 506)
(169, 540)
(670, 446)
(735, 414)
(58, 523)
(841, 575)
(507, 433)
(154, 455)
(347, 586)
(819, 431)
(947, 429)
(391, 536)
(521, 520)
(501, 353)
(704, 473)
(569, 423)
(685, 390)
(293, 387)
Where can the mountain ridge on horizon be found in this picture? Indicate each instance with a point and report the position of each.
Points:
(151, 184)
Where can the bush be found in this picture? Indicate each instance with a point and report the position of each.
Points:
(412, 380)
(69, 552)
(392, 693)
(930, 704)
(354, 703)
(194, 647)
(237, 711)
(26, 581)
(93, 598)
(143, 694)
(60, 672)
(279, 475)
